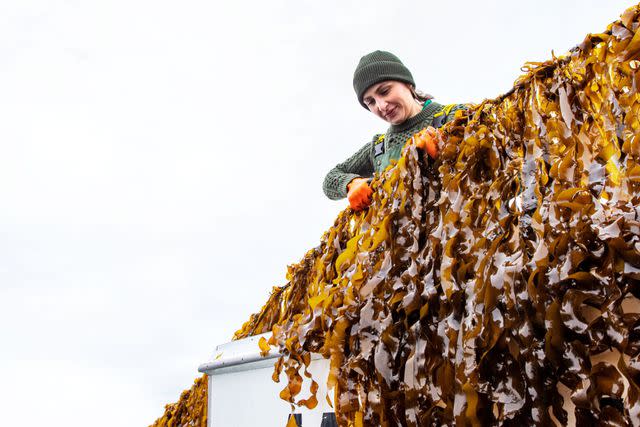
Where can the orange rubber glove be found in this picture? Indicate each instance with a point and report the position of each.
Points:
(359, 194)
(427, 140)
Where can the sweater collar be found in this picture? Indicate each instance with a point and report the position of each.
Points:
(423, 115)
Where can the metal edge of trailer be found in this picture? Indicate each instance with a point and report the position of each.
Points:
(241, 355)
(237, 356)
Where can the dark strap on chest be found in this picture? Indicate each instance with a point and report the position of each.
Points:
(378, 146)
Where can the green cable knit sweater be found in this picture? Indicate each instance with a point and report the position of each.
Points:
(365, 162)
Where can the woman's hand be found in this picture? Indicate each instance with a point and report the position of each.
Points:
(427, 140)
(359, 194)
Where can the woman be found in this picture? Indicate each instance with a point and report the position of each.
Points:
(385, 87)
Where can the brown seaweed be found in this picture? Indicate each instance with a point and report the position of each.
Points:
(477, 288)
(189, 410)
(498, 285)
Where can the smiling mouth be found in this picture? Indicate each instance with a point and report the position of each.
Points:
(391, 113)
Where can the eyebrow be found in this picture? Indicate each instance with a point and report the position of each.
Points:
(381, 87)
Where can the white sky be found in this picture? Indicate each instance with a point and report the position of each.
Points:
(161, 163)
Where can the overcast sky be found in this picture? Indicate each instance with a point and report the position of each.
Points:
(162, 164)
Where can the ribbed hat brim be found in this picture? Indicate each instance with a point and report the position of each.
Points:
(376, 72)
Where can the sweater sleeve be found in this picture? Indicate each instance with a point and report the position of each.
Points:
(356, 166)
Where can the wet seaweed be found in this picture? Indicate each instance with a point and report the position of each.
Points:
(498, 285)
(477, 288)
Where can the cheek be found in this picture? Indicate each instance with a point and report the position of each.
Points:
(407, 104)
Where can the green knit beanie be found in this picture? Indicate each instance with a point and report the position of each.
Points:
(376, 67)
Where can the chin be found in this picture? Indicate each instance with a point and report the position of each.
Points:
(398, 119)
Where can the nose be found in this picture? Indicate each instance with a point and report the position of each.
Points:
(382, 105)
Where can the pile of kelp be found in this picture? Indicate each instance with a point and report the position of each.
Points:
(482, 288)
(190, 410)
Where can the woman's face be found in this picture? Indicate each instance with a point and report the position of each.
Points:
(392, 101)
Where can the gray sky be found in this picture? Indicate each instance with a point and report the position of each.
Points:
(161, 164)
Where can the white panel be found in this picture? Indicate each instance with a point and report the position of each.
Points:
(250, 398)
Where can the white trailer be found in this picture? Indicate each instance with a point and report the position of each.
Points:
(242, 393)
